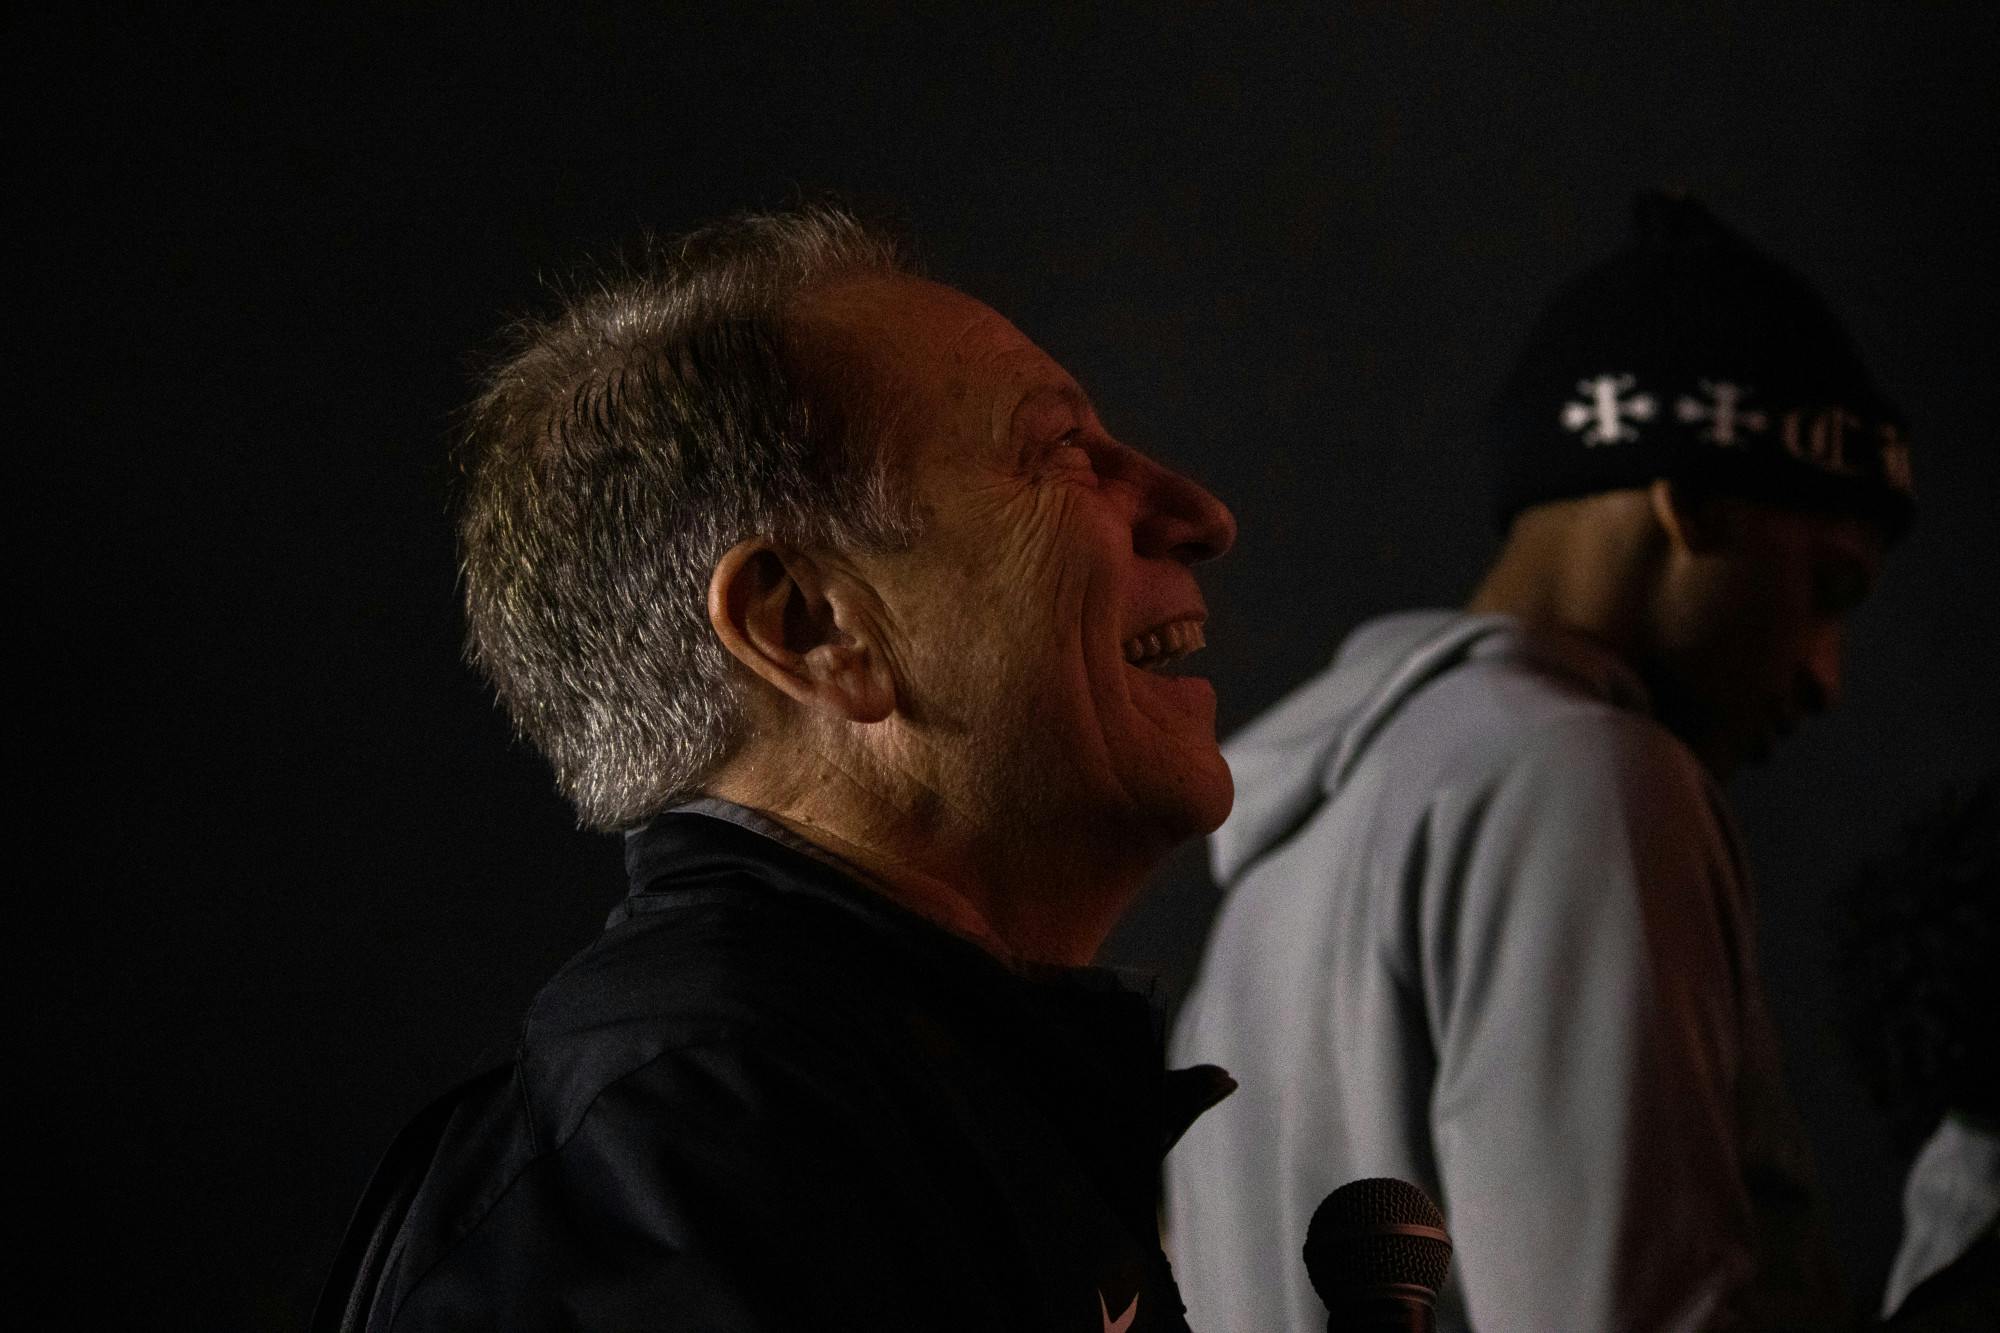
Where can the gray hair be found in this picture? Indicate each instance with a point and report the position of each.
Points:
(616, 451)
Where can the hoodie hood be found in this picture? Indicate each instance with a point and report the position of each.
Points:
(1295, 757)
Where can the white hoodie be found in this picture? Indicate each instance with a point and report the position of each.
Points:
(1486, 928)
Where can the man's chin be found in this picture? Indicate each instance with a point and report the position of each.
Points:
(1223, 801)
(1172, 779)
(1200, 799)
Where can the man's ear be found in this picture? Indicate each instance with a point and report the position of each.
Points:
(1696, 522)
(801, 626)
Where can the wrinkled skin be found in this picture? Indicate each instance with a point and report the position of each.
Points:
(1020, 728)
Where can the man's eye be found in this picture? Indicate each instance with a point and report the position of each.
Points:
(1070, 452)
(1838, 590)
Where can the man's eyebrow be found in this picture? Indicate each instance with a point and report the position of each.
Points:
(1071, 394)
(1027, 446)
(1074, 394)
(1068, 394)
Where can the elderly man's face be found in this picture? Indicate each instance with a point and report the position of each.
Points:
(1031, 626)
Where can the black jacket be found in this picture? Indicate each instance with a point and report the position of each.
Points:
(767, 1098)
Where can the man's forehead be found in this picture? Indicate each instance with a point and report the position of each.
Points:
(915, 327)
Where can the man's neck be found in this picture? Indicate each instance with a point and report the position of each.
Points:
(1019, 902)
(1585, 567)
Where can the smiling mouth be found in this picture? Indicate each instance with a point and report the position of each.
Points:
(1158, 649)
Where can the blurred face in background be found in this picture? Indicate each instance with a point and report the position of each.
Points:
(1750, 630)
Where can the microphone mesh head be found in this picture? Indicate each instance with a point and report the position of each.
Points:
(1350, 1244)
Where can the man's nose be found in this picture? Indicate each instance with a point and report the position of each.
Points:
(1819, 674)
(1180, 519)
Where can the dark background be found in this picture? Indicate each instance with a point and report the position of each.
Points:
(302, 880)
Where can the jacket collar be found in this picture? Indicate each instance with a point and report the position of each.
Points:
(710, 846)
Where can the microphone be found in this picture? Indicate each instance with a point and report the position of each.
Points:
(1377, 1252)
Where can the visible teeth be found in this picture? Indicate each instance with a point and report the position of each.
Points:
(1166, 644)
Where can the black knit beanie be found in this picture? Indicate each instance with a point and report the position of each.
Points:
(1693, 355)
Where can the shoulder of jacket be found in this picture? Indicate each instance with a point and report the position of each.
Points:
(1591, 750)
(758, 979)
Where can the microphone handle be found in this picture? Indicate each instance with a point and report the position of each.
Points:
(1389, 1308)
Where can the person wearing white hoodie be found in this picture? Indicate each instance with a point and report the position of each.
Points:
(1486, 924)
